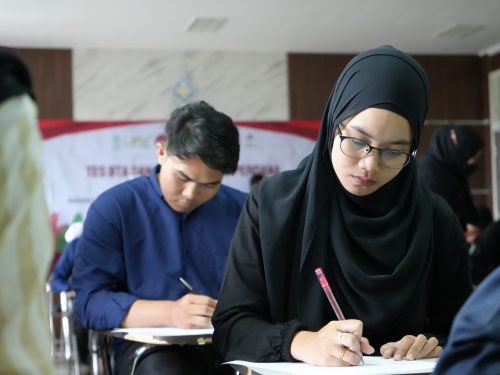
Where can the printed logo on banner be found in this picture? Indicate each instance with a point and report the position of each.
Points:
(121, 142)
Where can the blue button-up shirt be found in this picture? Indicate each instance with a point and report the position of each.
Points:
(59, 281)
(134, 246)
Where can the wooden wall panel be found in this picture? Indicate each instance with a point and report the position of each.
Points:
(493, 62)
(456, 87)
(310, 81)
(458, 94)
(51, 73)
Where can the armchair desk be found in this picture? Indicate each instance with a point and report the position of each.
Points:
(155, 337)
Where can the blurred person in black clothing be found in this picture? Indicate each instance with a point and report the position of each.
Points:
(453, 155)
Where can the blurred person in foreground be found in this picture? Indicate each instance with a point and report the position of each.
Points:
(485, 249)
(26, 242)
(474, 343)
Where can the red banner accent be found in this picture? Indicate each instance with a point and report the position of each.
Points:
(53, 127)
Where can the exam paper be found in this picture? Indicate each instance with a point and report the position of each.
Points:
(373, 366)
(166, 335)
(165, 331)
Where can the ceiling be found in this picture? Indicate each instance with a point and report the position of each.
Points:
(322, 26)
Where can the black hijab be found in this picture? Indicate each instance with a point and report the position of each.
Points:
(14, 76)
(444, 170)
(453, 146)
(373, 248)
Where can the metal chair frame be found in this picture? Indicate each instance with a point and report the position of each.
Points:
(65, 345)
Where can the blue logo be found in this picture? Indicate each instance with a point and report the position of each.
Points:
(183, 89)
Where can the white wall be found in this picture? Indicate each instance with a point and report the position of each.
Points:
(494, 100)
(138, 84)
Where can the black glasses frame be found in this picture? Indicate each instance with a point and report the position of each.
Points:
(380, 150)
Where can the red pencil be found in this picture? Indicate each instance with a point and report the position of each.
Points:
(331, 298)
(329, 294)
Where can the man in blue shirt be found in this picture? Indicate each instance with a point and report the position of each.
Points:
(61, 275)
(141, 236)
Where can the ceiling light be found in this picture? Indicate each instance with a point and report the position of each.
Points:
(205, 25)
(458, 31)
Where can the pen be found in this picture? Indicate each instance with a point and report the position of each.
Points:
(329, 294)
(189, 286)
(331, 298)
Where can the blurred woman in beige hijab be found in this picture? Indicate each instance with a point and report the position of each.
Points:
(25, 237)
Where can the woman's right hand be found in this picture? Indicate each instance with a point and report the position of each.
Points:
(339, 343)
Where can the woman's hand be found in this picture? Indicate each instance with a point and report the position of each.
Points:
(339, 343)
(412, 347)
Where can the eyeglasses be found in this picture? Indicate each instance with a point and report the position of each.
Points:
(357, 149)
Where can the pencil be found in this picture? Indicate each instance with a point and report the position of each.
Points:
(331, 298)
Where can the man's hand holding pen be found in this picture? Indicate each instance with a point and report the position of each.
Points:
(339, 343)
(192, 311)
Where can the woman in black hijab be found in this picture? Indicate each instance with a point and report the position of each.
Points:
(451, 158)
(394, 254)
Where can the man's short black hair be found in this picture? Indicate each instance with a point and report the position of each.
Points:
(197, 129)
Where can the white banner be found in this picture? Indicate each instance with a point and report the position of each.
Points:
(84, 159)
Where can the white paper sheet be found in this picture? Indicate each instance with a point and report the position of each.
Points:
(166, 335)
(373, 366)
(165, 331)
